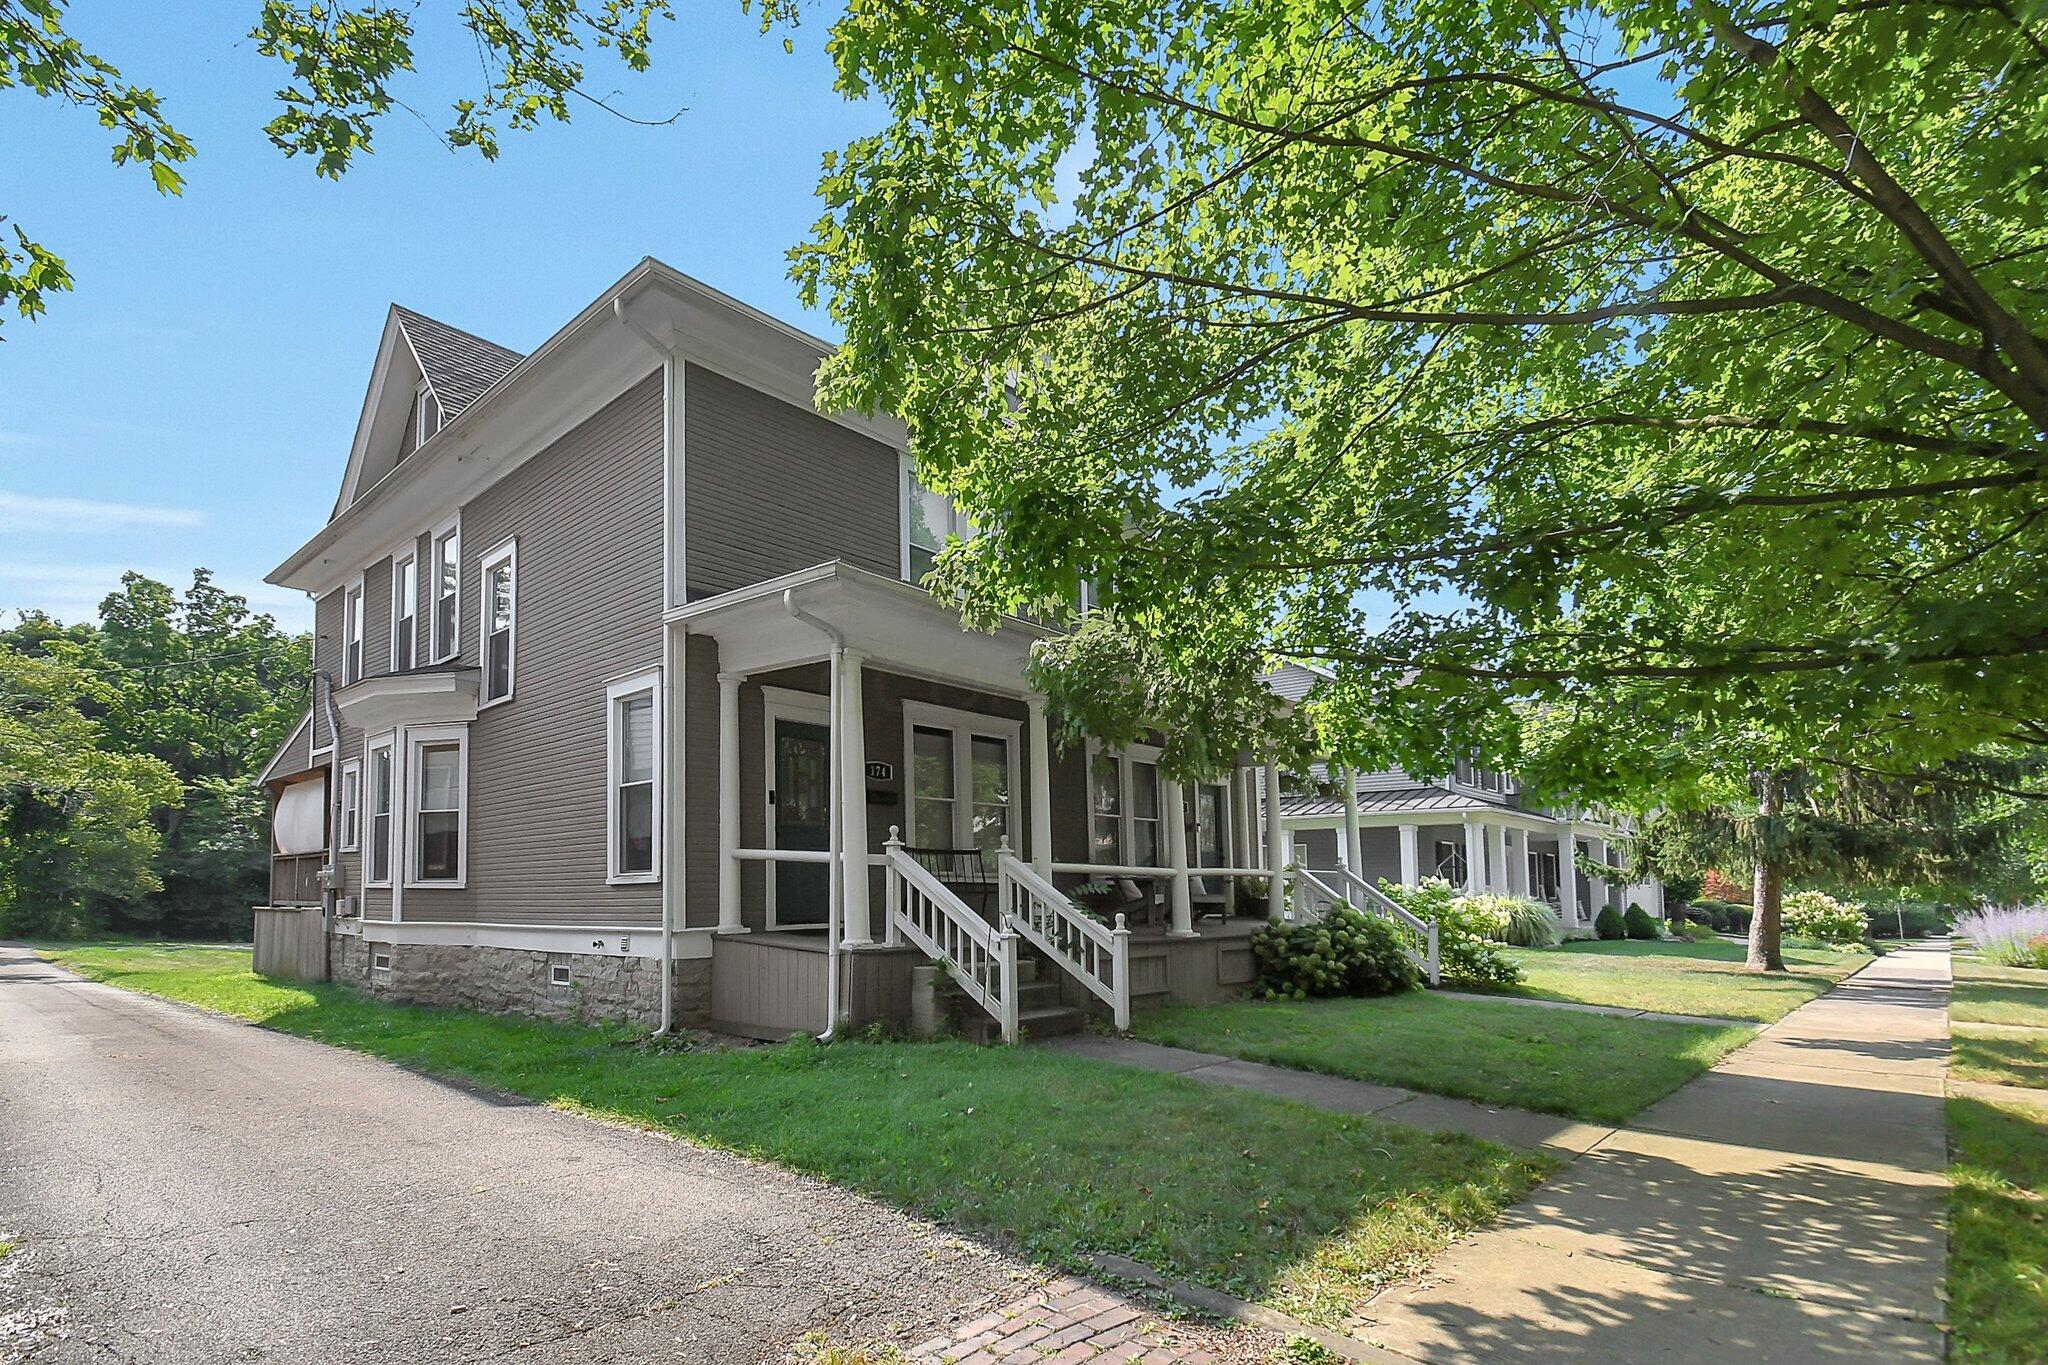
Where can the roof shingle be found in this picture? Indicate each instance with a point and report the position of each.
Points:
(459, 366)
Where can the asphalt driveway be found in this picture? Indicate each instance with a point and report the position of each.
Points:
(185, 1188)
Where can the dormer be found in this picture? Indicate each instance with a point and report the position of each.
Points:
(426, 374)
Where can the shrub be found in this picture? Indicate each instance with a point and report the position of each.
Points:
(1465, 951)
(1919, 921)
(1609, 923)
(2015, 937)
(1692, 932)
(1512, 920)
(1346, 952)
(1637, 923)
(1817, 915)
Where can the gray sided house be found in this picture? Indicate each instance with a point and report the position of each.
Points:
(627, 703)
(1472, 829)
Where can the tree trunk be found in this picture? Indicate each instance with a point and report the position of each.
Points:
(1765, 952)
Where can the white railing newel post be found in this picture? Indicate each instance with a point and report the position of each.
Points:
(1120, 959)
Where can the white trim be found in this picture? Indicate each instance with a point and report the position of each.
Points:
(418, 738)
(409, 554)
(583, 940)
(305, 722)
(349, 838)
(964, 726)
(783, 703)
(422, 395)
(387, 744)
(451, 526)
(645, 683)
(506, 554)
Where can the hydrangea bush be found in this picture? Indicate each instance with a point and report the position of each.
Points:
(1465, 928)
(1817, 915)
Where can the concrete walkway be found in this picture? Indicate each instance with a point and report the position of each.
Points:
(1496, 1123)
(1789, 1205)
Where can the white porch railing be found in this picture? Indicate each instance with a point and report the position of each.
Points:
(1078, 944)
(1418, 935)
(947, 930)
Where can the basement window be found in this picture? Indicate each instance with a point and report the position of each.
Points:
(558, 975)
(380, 962)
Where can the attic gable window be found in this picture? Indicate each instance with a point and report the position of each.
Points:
(426, 415)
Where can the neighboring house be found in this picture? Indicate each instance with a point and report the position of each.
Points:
(586, 619)
(1472, 829)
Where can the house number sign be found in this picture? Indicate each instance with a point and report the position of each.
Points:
(881, 772)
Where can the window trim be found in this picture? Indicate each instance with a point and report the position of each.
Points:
(412, 557)
(385, 743)
(964, 726)
(1126, 814)
(358, 621)
(350, 837)
(443, 651)
(648, 683)
(418, 739)
(423, 399)
(507, 556)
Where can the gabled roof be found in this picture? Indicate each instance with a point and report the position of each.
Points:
(458, 365)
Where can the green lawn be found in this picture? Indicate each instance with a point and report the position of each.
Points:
(1998, 1230)
(1988, 994)
(1589, 1066)
(1305, 1210)
(1680, 978)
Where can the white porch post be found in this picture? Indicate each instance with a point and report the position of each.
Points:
(1244, 819)
(1475, 857)
(1176, 815)
(729, 803)
(1040, 781)
(1354, 844)
(1276, 846)
(1567, 879)
(1518, 863)
(1497, 859)
(1411, 855)
(853, 792)
(1598, 852)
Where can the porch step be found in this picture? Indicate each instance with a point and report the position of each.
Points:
(1051, 1021)
(1039, 994)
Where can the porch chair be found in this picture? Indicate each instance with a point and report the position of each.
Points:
(963, 871)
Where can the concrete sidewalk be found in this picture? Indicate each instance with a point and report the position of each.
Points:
(1790, 1205)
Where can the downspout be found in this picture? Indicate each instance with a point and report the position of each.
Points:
(327, 892)
(671, 734)
(835, 874)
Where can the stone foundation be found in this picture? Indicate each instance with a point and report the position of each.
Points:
(522, 981)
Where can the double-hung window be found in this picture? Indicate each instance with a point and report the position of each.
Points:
(377, 802)
(405, 597)
(438, 780)
(634, 738)
(498, 601)
(447, 585)
(1125, 805)
(963, 778)
(928, 518)
(351, 805)
(352, 634)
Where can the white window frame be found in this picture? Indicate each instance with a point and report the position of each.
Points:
(380, 960)
(417, 740)
(350, 839)
(957, 523)
(505, 556)
(560, 977)
(647, 683)
(386, 745)
(1126, 812)
(964, 725)
(399, 561)
(354, 629)
(424, 401)
(444, 650)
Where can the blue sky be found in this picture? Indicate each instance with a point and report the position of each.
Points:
(193, 401)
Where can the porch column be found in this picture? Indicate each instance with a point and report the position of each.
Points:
(853, 797)
(1243, 820)
(1354, 845)
(1475, 857)
(1411, 855)
(1518, 864)
(729, 803)
(1597, 850)
(1040, 781)
(1176, 818)
(1497, 859)
(1568, 880)
(1276, 846)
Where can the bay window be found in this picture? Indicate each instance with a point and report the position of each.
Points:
(497, 616)
(634, 738)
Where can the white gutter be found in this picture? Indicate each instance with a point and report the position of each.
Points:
(834, 888)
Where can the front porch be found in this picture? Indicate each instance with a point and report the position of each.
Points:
(831, 712)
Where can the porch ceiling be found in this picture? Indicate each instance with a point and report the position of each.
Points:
(892, 623)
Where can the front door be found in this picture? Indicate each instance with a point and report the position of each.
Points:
(801, 798)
